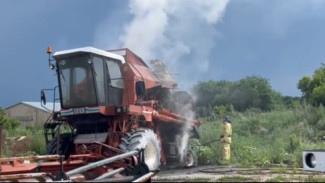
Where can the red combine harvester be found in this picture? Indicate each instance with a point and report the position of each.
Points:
(119, 121)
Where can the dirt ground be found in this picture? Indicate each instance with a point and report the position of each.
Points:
(234, 174)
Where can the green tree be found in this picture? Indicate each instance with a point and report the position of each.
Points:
(208, 92)
(304, 86)
(313, 88)
(250, 92)
(291, 102)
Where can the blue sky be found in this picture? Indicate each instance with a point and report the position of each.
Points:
(199, 40)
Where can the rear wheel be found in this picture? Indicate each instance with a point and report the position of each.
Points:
(190, 159)
(147, 140)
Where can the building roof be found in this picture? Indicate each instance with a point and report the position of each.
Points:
(49, 106)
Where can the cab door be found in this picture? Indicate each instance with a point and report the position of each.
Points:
(115, 82)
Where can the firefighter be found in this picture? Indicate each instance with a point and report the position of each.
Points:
(225, 139)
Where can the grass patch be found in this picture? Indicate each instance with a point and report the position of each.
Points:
(278, 178)
(280, 170)
(315, 179)
(181, 180)
(235, 179)
(253, 171)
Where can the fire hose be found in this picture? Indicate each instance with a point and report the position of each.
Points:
(216, 140)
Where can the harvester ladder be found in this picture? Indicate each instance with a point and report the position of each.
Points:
(51, 128)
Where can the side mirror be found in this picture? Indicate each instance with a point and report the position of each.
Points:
(43, 98)
(140, 88)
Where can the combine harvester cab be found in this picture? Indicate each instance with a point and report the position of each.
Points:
(119, 120)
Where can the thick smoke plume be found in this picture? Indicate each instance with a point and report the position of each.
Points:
(179, 32)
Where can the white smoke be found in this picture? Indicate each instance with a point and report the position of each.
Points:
(177, 32)
(147, 27)
(187, 111)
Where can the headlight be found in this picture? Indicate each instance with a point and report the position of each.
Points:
(118, 110)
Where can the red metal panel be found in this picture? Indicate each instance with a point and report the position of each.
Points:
(150, 79)
(135, 110)
(107, 110)
(22, 168)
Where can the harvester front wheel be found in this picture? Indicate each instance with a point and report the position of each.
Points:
(65, 145)
(147, 140)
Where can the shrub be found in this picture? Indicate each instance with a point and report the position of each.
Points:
(205, 155)
(38, 144)
(7, 122)
(294, 143)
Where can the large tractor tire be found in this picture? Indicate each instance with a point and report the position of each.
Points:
(144, 139)
(65, 145)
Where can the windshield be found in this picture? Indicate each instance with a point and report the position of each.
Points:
(77, 82)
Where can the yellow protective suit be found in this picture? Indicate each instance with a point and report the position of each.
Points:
(225, 139)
